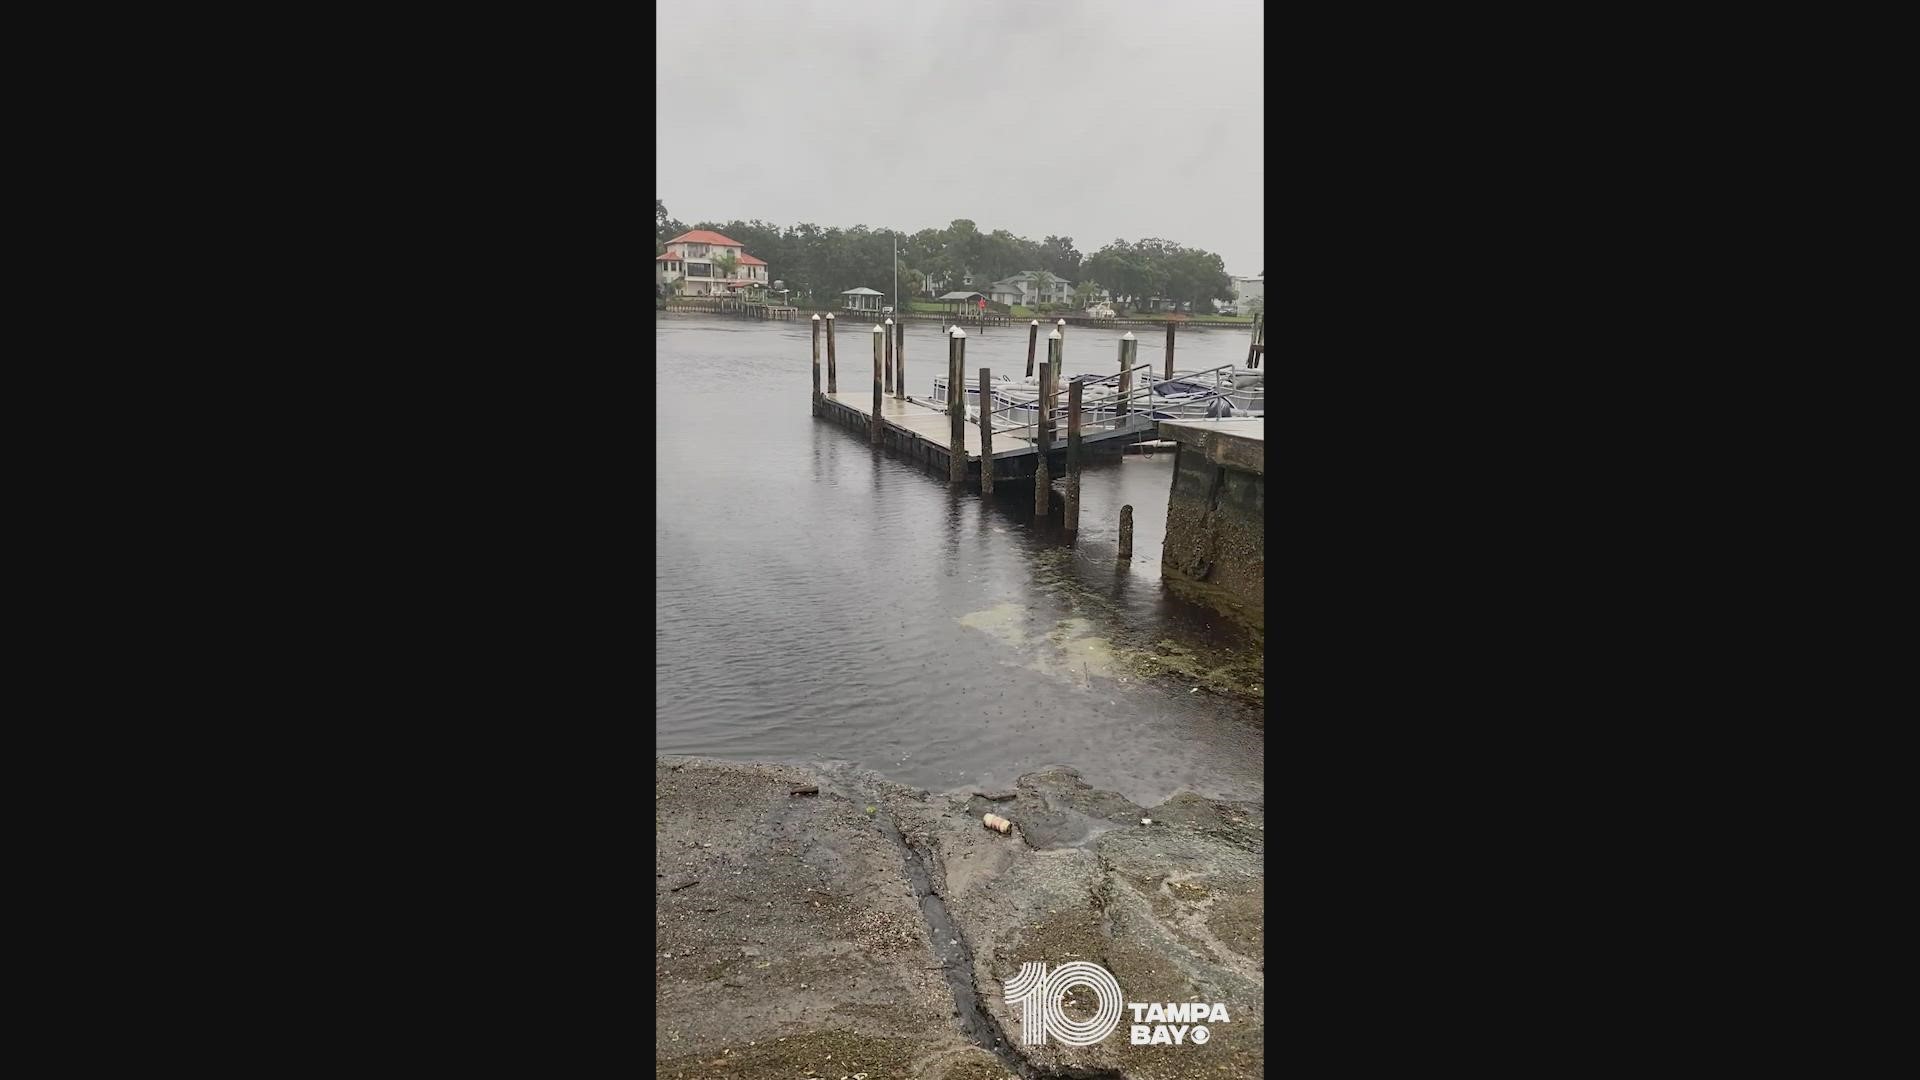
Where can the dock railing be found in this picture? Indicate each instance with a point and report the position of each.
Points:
(1108, 413)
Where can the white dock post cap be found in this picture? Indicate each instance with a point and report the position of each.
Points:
(1063, 322)
(829, 315)
(957, 332)
(877, 330)
(1054, 336)
(816, 317)
(1036, 322)
(1128, 336)
(889, 322)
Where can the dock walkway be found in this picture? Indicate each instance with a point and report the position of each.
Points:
(922, 430)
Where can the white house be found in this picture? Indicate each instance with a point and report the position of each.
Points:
(941, 284)
(689, 257)
(1248, 289)
(1024, 289)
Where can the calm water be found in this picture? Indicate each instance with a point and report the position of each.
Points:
(818, 600)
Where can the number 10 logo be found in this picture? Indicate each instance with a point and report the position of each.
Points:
(1040, 995)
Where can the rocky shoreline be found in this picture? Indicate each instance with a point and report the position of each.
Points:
(825, 922)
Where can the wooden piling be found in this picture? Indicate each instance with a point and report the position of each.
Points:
(1126, 532)
(1073, 457)
(957, 409)
(888, 383)
(1042, 483)
(1169, 349)
(1253, 343)
(816, 359)
(900, 358)
(1033, 338)
(833, 369)
(1049, 370)
(986, 431)
(879, 347)
(1128, 345)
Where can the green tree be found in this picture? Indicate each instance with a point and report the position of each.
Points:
(1043, 283)
(664, 227)
(726, 262)
(1057, 255)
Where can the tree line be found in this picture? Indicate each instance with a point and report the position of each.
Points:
(818, 264)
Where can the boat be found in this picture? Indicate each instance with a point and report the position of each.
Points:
(1220, 392)
(1189, 396)
(1016, 401)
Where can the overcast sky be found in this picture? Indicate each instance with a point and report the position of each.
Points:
(1034, 116)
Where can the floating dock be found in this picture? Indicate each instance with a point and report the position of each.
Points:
(921, 430)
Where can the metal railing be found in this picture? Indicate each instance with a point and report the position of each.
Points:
(1104, 414)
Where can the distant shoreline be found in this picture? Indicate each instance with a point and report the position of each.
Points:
(674, 308)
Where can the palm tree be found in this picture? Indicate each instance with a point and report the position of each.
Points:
(726, 262)
(1043, 282)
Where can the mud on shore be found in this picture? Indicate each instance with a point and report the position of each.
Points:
(825, 922)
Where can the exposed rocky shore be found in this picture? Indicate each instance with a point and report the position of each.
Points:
(825, 922)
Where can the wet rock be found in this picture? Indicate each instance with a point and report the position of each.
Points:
(878, 1005)
(1173, 911)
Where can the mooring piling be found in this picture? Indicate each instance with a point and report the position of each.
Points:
(1073, 457)
(900, 359)
(888, 383)
(957, 409)
(1258, 342)
(986, 431)
(1169, 348)
(1049, 370)
(1129, 348)
(1033, 338)
(879, 347)
(816, 360)
(1042, 484)
(1126, 532)
(833, 369)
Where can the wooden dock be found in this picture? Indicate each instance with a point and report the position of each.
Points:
(942, 437)
(921, 431)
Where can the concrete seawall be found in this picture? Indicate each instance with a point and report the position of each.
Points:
(826, 922)
(1215, 548)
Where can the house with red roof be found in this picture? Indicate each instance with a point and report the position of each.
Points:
(690, 258)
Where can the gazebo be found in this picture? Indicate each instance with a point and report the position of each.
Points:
(965, 303)
(862, 299)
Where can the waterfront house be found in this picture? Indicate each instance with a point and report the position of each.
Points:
(1248, 289)
(942, 284)
(1025, 288)
(689, 259)
(862, 299)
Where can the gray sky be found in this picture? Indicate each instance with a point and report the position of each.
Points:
(1034, 116)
